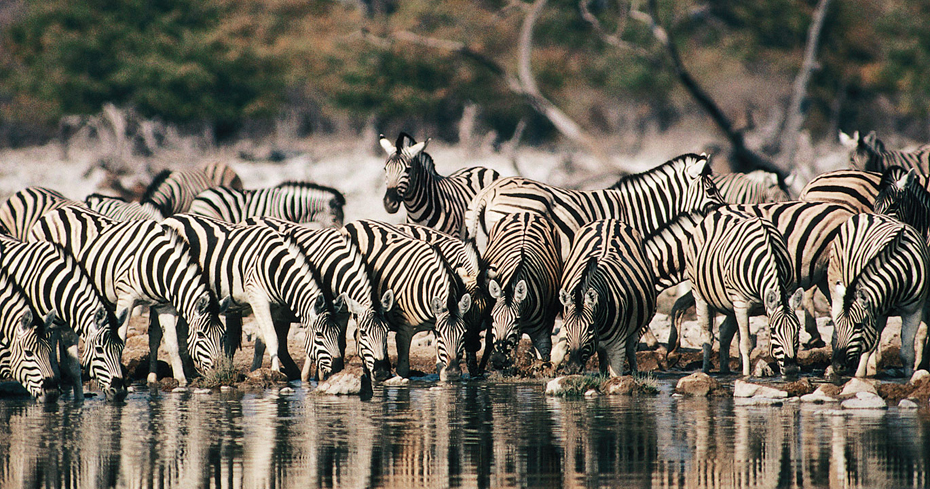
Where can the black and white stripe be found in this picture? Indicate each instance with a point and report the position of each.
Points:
(121, 210)
(524, 268)
(347, 285)
(173, 191)
(262, 271)
(853, 188)
(22, 209)
(868, 153)
(430, 199)
(55, 283)
(427, 294)
(902, 196)
(879, 267)
(758, 187)
(738, 262)
(608, 295)
(300, 202)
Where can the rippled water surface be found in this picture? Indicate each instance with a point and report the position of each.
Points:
(475, 434)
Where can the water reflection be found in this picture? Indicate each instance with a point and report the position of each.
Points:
(466, 435)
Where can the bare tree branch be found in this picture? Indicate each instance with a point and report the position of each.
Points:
(612, 39)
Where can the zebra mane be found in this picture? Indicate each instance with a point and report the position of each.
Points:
(337, 195)
(459, 284)
(97, 195)
(153, 187)
(400, 141)
(287, 236)
(663, 168)
(585, 280)
(870, 239)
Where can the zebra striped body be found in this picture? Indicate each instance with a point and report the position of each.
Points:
(55, 283)
(903, 197)
(430, 199)
(346, 284)
(262, 271)
(758, 187)
(878, 267)
(143, 262)
(21, 210)
(524, 268)
(608, 295)
(25, 348)
(852, 188)
(736, 263)
(427, 294)
(646, 201)
(299, 202)
(120, 210)
(868, 153)
(172, 192)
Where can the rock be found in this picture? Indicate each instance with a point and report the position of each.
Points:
(745, 389)
(396, 380)
(130, 389)
(264, 376)
(340, 384)
(180, 389)
(226, 388)
(762, 369)
(831, 412)
(554, 386)
(697, 384)
(203, 391)
(757, 401)
(865, 400)
(819, 396)
(857, 385)
(286, 391)
(620, 385)
(591, 393)
(907, 404)
(919, 376)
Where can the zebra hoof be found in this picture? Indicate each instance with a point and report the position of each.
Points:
(152, 378)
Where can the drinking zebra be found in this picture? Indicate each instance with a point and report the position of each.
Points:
(524, 268)
(20, 211)
(758, 187)
(173, 191)
(54, 282)
(347, 285)
(608, 294)
(737, 262)
(868, 153)
(430, 199)
(878, 267)
(142, 262)
(427, 295)
(299, 202)
(121, 210)
(262, 271)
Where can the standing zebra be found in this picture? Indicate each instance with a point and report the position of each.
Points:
(853, 188)
(430, 199)
(524, 267)
(142, 262)
(645, 200)
(868, 153)
(608, 295)
(429, 295)
(262, 271)
(758, 187)
(120, 210)
(878, 267)
(737, 262)
(902, 196)
(22, 209)
(347, 285)
(299, 202)
(172, 192)
(54, 282)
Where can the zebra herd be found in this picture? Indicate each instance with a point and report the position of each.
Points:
(480, 261)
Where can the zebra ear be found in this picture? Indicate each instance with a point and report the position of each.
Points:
(464, 304)
(590, 298)
(319, 305)
(387, 300)
(519, 292)
(696, 168)
(121, 318)
(437, 306)
(863, 300)
(416, 149)
(848, 141)
(906, 179)
(386, 145)
(770, 301)
(339, 303)
(795, 301)
(25, 321)
(494, 289)
(203, 304)
(565, 298)
(224, 304)
(50, 321)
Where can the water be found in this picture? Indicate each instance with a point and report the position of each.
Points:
(475, 434)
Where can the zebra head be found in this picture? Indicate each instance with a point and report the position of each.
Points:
(505, 320)
(578, 323)
(786, 329)
(853, 328)
(903, 197)
(867, 153)
(31, 351)
(397, 168)
(206, 344)
(326, 339)
(450, 327)
(103, 351)
(371, 334)
(701, 194)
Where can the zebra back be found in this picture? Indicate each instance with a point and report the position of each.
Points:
(121, 210)
(902, 196)
(299, 202)
(853, 188)
(22, 209)
(870, 154)
(173, 191)
(429, 198)
(70, 227)
(758, 187)
(665, 249)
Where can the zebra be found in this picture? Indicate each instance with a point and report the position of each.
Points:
(142, 262)
(263, 272)
(54, 282)
(524, 268)
(878, 267)
(172, 192)
(869, 153)
(26, 350)
(22, 209)
(807, 228)
(300, 202)
(121, 210)
(608, 296)
(855, 189)
(347, 284)
(902, 196)
(758, 187)
(737, 262)
(429, 198)
(645, 201)
(426, 294)
(464, 258)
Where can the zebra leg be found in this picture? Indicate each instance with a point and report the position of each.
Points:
(402, 339)
(681, 306)
(168, 318)
(913, 339)
(727, 330)
(233, 333)
(542, 341)
(652, 343)
(741, 311)
(155, 335)
(810, 322)
(631, 347)
(706, 322)
(258, 353)
(261, 308)
(71, 362)
(287, 363)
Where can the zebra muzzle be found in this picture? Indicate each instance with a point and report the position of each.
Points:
(382, 370)
(391, 200)
(50, 391)
(116, 392)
